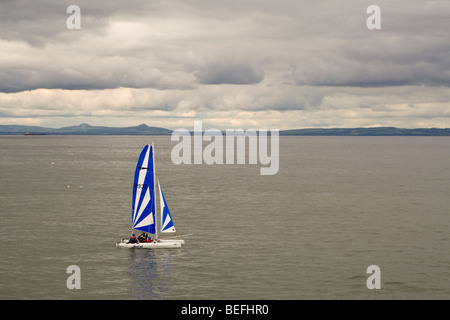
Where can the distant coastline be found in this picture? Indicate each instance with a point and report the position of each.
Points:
(143, 129)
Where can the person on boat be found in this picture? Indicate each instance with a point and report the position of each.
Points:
(142, 237)
(132, 239)
(149, 239)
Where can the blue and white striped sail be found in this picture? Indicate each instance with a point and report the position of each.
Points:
(166, 219)
(144, 202)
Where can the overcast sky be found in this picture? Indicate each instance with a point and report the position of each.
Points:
(233, 64)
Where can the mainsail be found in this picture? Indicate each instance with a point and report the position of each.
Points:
(166, 218)
(144, 205)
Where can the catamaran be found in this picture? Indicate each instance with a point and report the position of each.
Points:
(143, 210)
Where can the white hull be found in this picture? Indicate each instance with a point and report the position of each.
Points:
(180, 241)
(150, 245)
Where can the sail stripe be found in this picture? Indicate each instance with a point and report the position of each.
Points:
(143, 205)
(148, 220)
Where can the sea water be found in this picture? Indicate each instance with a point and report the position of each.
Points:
(336, 206)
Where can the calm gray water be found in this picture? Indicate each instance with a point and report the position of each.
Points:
(336, 206)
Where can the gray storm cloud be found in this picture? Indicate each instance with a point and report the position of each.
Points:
(228, 55)
(229, 73)
(129, 45)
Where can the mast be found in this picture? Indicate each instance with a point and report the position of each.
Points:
(154, 192)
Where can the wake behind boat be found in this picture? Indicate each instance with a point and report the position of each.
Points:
(143, 213)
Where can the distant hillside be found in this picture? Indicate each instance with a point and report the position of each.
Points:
(143, 129)
(85, 129)
(375, 131)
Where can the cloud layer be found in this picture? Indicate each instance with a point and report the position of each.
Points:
(282, 64)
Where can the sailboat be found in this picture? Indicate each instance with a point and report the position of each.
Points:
(143, 213)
